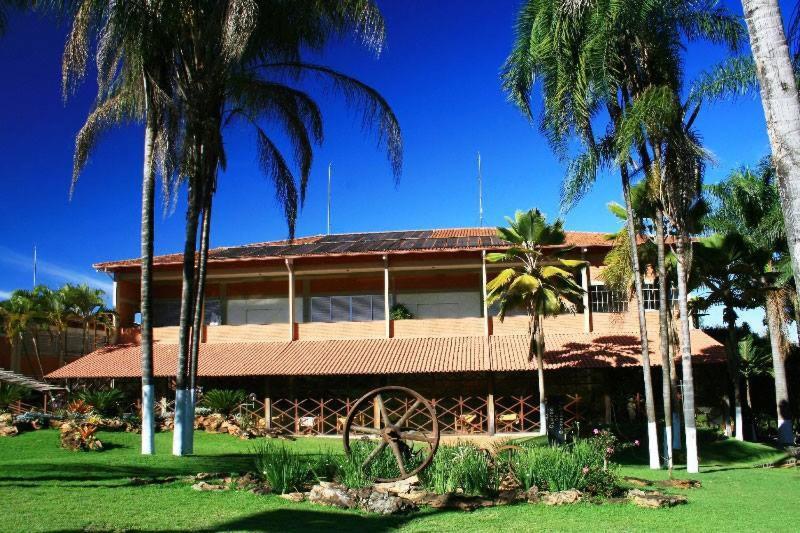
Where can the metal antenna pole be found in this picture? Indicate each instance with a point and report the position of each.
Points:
(480, 191)
(330, 165)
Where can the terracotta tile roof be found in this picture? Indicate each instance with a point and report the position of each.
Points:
(395, 242)
(382, 356)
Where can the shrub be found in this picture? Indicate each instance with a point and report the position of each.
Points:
(580, 465)
(105, 402)
(400, 312)
(202, 411)
(223, 401)
(283, 468)
(80, 438)
(11, 393)
(464, 467)
(35, 418)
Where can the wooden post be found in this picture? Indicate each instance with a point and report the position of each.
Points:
(268, 412)
(387, 319)
(290, 268)
(296, 418)
(376, 414)
(587, 306)
(486, 318)
(490, 413)
(607, 401)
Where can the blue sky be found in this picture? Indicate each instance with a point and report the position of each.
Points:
(439, 71)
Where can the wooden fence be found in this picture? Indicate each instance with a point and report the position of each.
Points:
(457, 415)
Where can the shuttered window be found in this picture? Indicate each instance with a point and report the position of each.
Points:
(358, 308)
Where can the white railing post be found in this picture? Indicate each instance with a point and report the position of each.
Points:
(290, 268)
(386, 304)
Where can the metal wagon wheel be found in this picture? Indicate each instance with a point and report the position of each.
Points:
(393, 430)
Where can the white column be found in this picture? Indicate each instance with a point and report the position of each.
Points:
(587, 305)
(386, 304)
(486, 317)
(290, 268)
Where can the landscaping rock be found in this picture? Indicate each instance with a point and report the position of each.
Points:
(654, 500)
(208, 487)
(509, 483)
(8, 431)
(532, 495)
(385, 504)
(563, 497)
(333, 495)
(262, 490)
(456, 501)
(404, 486)
(295, 497)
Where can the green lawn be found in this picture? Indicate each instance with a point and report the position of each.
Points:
(45, 488)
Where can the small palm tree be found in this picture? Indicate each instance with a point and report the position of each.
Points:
(754, 361)
(17, 314)
(87, 305)
(535, 284)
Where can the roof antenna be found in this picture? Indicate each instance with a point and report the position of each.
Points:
(34, 266)
(330, 167)
(480, 191)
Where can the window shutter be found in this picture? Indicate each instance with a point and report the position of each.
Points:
(340, 308)
(320, 309)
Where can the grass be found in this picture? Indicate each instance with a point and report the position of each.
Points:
(45, 488)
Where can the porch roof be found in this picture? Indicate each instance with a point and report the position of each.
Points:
(384, 356)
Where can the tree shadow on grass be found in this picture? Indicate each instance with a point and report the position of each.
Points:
(92, 471)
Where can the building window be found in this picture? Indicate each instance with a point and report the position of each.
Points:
(651, 295)
(605, 300)
(360, 308)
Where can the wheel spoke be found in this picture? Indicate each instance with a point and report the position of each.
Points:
(373, 454)
(366, 429)
(416, 436)
(408, 414)
(398, 456)
(382, 409)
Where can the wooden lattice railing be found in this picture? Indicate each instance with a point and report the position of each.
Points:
(460, 415)
(516, 414)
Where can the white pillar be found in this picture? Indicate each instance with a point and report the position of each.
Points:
(587, 304)
(486, 317)
(387, 319)
(290, 268)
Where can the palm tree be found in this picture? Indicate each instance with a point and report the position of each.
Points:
(754, 362)
(19, 314)
(87, 305)
(618, 275)
(134, 83)
(776, 76)
(748, 205)
(723, 269)
(599, 55)
(541, 286)
(251, 78)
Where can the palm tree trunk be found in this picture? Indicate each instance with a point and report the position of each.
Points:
(652, 429)
(197, 326)
(733, 370)
(677, 405)
(146, 303)
(754, 435)
(187, 299)
(692, 460)
(785, 432)
(663, 334)
(781, 109)
(536, 349)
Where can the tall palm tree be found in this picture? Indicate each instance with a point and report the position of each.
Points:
(134, 83)
(748, 205)
(776, 76)
(542, 286)
(602, 55)
(243, 62)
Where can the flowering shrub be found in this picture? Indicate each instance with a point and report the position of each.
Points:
(608, 444)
